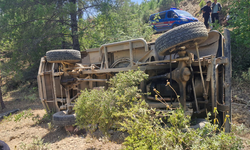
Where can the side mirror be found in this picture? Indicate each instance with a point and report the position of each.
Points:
(175, 16)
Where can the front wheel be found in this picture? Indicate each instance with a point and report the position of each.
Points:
(183, 35)
(61, 118)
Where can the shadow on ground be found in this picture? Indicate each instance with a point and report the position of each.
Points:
(56, 135)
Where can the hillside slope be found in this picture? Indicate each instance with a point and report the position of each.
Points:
(191, 6)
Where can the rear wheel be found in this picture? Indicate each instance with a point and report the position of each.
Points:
(64, 55)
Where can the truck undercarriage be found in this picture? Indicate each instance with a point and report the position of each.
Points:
(195, 72)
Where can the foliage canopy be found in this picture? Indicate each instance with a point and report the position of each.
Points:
(30, 28)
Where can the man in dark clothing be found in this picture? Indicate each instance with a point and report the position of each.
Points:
(206, 13)
(216, 8)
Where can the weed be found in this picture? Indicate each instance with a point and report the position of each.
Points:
(7, 95)
(46, 118)
(9, 117)
(37, 144)
(240, 129)
(36, 119)
(18, 117)
(202, 3)
(31, 98)
(246, 75)
(50, 126)
(217, 26)
(242, 77)
(34, 89)
(23, 115)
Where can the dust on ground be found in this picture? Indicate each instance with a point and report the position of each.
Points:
(20, 135)
(241, 109)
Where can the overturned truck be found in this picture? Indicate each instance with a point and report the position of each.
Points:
(197, 64)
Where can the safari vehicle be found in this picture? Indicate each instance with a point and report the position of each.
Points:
(197, 64)
(169, 19)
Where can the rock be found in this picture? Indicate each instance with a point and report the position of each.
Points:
(11, 138)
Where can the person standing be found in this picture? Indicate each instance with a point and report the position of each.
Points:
(206, 10)
(216, 8)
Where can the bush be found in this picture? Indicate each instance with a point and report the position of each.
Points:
(119, 105)
(202, 3)
(94, 108)
(148, 131)
(239, 22)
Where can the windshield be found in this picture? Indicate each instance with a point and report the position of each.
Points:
(183, 13)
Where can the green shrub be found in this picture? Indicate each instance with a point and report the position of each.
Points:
(202, 3)
(119, 105)
(99, 106)
(239, 22)
(148, 131)
(94, 108)
(145, 132)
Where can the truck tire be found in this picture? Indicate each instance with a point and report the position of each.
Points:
(63, 55)
(181, 36)
(62, 119)
(4, 146)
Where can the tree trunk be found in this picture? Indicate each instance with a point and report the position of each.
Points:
(1, 98)
(61, 20)
(74, 27)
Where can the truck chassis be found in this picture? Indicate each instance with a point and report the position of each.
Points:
(199, 71)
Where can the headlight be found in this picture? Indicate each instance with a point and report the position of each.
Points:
(184, 19)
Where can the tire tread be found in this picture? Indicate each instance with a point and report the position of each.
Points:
(180, 36)
(61, 119)
(64, 55)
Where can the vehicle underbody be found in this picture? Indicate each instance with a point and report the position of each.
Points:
(195, 74)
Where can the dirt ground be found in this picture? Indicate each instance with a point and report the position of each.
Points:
(38, 130)
(22, 134)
